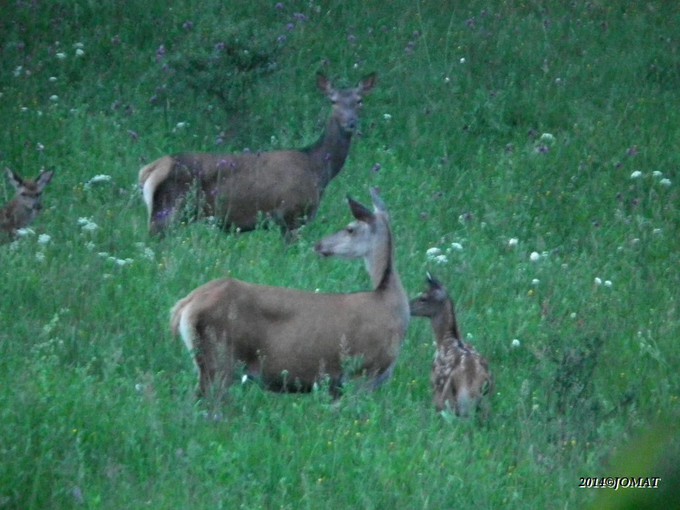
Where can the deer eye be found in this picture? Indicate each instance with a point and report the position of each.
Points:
(350, 230)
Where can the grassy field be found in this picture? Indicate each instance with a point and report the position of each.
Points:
(534, 143)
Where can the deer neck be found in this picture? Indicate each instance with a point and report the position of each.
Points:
(330, 152)
(380, 265)
(385, 279)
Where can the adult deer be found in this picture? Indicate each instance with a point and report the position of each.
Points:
(25, 206)
(240, 189)
(460, 375)
(290, 339)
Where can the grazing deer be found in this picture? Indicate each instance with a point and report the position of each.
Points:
(460, 375)
(25, 206)
(290, 339)
(239, 190)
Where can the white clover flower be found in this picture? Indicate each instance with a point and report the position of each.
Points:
(608, 283)
(97, 179)
(535, 282)
(456, 247)
(24, 232)
(61, 55)
(433, 252)
(54, 98)
(44, 239)
(657, 174)
(535, 256)
(52, 79)
(149, 254)
(636, 174)
(657, 231)
(515, 343)
(80, 52)
(387, 116)
(40, 256)
(181, 125)
(462, 60)
(440, 259)
(17, 71)
(512, 242)
(547, 137)
(89, 245)
(665, 182)
(87, 224)
(598, 280)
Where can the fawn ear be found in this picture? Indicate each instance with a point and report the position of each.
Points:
(433, 282)
(436, 288)
(367, 84)
(324, 84)
(44, 179)
(15, 180)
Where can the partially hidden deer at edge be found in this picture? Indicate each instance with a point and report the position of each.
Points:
(25, 206)
(239, 190)
(290, 339)
(461, 379)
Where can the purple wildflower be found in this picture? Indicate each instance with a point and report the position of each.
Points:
(160, 53)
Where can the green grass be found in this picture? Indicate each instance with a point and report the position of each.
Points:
(97, 404)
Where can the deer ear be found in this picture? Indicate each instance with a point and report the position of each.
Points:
(14, 178)
(324, 84)
(45, 178)
(378, 203)
(368, 83)
(360, 211)
(434, 283)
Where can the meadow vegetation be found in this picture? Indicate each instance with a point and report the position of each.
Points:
(528, 153)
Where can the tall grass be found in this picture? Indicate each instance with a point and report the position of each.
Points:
(547, 123)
